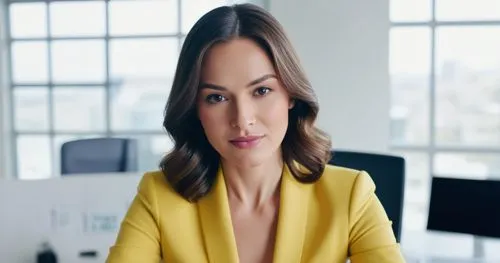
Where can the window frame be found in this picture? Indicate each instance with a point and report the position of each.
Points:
(431, 149)
(52, 133)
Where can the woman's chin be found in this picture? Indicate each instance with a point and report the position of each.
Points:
(249, 159)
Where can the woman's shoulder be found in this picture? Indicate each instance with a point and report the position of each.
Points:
(338, 179)
(154, 185)
(151, 180)
(337, 174)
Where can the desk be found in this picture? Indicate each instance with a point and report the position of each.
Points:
(73, 213)
(424, 259)
(440, 247)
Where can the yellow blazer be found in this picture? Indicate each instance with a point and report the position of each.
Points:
(337, 217)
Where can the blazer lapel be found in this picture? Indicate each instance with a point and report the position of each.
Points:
(292, 219)
(216, 224)
(217, 227)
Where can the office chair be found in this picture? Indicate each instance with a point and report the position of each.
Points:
(388, 174)
(99, 155)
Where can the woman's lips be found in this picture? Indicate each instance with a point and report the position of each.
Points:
(246, 142)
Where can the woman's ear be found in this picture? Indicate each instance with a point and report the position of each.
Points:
(291, 104)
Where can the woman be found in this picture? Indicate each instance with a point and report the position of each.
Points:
(247, 180)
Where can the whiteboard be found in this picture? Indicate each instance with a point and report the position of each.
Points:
(73, 213)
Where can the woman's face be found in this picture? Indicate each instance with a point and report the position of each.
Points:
(242, 106)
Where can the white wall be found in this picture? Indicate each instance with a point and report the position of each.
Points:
(344, 49)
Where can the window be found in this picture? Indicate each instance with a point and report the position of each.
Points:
(74, 77)
(445, 89)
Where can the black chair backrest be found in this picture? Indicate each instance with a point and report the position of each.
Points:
(388, 174)
(465, 206)
(99, 155)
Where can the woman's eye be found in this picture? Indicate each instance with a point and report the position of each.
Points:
(262, 91)
(215, 98)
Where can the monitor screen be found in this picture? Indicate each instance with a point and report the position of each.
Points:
(465, 206)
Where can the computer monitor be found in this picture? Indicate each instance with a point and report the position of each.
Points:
(465, 206)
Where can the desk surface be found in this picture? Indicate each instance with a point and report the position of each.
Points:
(73, 213)
(441, 247)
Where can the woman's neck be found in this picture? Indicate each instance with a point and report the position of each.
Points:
(253, 187)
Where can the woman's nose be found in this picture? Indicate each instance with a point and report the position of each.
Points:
(244, 115)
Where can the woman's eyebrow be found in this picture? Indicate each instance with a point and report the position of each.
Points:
(212, 86)
(261, 79)
(206, 85)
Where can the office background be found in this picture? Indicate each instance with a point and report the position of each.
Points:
(417, 78)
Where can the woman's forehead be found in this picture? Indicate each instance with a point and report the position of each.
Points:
(239, 58)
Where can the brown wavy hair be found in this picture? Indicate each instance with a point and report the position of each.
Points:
(190, 168)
